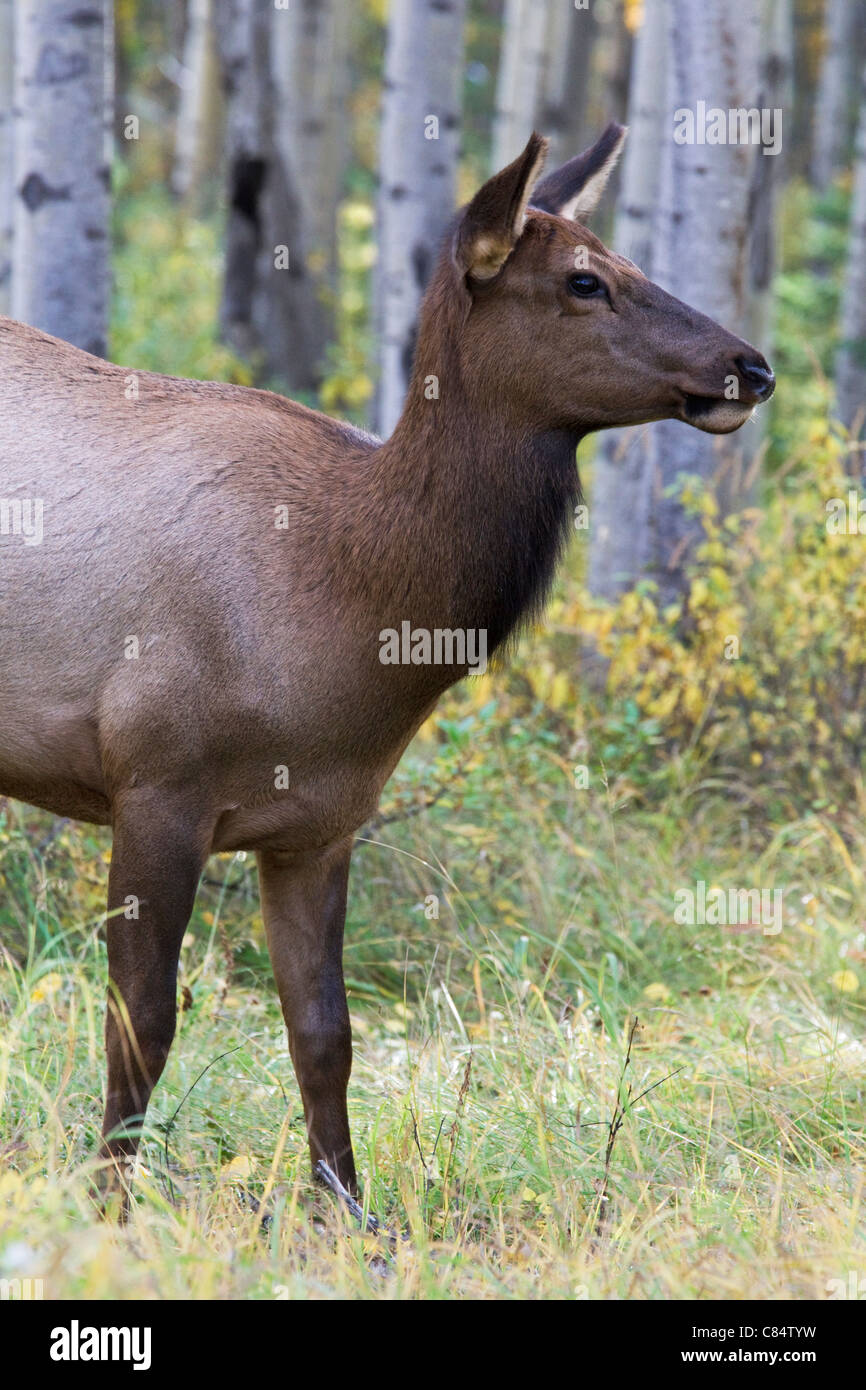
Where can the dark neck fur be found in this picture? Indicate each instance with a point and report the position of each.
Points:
(476, 514)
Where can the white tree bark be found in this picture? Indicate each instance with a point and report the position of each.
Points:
(621, 463)
(63, 108)
(544, 78)
(832, 98)
(7, 152)
(195, 133)
(699, 254)
(702, 254)
(520, 85)
(851, 359)
(418, 164)
(310, 62)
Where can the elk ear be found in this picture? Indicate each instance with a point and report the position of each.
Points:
(574, 190)
(491, 225)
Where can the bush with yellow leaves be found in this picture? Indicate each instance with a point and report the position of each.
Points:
(764, 661)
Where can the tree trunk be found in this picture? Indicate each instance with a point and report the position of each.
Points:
(269, 311)
(310, 67)
(702, 255)
(520, 85)
(418, 165)
(197, 129)
(63, 117)
(7, 152)
(776, 79)
(570, 38)
(776, 68)
(544, 78)
(833, 97)
(621, 464)
(616, 47)
(311, 55)
(699, 254)
(851, 359)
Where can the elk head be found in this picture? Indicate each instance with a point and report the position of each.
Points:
(562, 333)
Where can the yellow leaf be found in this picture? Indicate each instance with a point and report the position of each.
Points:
(664, 704)
(845, 981)
(48, 985)
(559, 690)
(240, 1167)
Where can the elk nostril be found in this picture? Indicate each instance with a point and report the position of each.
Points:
(757, 375)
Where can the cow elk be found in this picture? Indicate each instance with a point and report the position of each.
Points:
(192, 653)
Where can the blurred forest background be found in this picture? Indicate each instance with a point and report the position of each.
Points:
(255, 192)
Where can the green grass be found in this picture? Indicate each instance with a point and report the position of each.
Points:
(739, 1174)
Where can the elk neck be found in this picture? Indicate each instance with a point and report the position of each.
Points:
(464, 510)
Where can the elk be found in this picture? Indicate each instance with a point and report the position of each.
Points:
(191, 654)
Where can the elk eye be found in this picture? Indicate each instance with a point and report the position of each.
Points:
(585, 286)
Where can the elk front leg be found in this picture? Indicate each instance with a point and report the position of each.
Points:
(157, 856)
(304, 907)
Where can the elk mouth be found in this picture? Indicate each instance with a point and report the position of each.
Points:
(714, 414)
